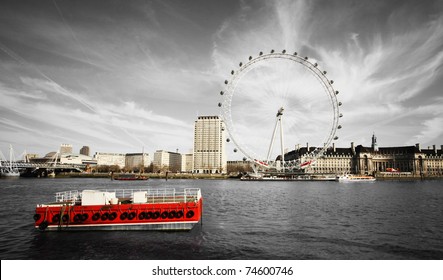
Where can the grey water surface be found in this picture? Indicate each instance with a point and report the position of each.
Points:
(243, 220)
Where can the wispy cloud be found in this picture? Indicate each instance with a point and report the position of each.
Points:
(125, 125)
(119, 76)
(383, 73)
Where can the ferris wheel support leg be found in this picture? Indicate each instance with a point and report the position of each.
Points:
(272, 140)
(255, 168)
(282, 141)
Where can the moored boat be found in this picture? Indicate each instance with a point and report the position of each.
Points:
(10, 173)
(131, 177)
(283, 177)
(355, 178)
(123, 209)
(10, 170)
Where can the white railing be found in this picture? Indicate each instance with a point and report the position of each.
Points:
(152, 195)
(192, 195)
(68, 196)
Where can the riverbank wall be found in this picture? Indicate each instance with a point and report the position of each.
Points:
(172, 176)
(150, 175)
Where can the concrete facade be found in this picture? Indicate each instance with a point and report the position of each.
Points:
(187, 160)
(137, 160)
(65, 149)
(110, 159)
(167, 161)
(209, 145)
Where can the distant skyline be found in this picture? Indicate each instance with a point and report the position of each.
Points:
(123, 76)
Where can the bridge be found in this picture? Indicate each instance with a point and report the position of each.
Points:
(42, 169)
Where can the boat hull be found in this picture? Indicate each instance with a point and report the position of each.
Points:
(167, 226)
(130, 179)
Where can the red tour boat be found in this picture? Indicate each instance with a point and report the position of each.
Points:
(130, 177)
(123, 209)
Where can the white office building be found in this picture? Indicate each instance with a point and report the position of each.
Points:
(187, 163)
(209, 145)
(137, 160)
(76, 159)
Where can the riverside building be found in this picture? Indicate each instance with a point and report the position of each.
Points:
(110, 159)
(167, 161)
(137, 161)
(187, 163)
(374, 160)
(65, 149)
(84, 150)
(209, 155)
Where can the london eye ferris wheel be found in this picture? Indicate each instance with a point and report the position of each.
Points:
(280, 95)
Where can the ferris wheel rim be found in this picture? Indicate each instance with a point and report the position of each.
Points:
(231, 84)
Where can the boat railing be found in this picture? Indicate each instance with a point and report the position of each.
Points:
(68, 196)
(192, 195)
(167, 195)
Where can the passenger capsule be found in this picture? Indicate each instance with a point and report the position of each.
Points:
(283, 51)
(339, 126)
(241, 64)
(228, 140)
(222, 92)
(295, 53)
(272, 51)
(341, 115)
(306, 58)
(226, 82)
(331, 81)
(336, 137)
(336, 92)
(250, 57)
(324, 72)
(232, 72)
(235, 150)
(219, 104)
(339, 103)
(315, 64)
(261, 53)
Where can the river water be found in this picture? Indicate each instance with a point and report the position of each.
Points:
(243, 220)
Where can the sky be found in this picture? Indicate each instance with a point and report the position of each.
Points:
(133, 76)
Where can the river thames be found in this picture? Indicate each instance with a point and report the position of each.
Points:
(382, 220)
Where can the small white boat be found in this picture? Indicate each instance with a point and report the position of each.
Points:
(355, 178)
(10, 174)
